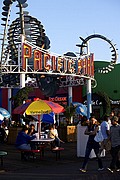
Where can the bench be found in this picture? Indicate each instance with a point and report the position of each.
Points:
(57, 150)
(27, 153)
(2, 154)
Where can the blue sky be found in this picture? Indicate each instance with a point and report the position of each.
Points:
(65, 21)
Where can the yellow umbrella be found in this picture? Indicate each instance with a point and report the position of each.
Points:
(38, 107)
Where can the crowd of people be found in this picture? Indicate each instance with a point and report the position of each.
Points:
(29, 133)
(110, 130)
(109, 127)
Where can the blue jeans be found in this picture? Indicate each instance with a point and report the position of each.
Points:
(57, 142)
(24, 146)
(92, 145)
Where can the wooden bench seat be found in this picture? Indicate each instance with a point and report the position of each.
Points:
(2, 154)
(57, 150)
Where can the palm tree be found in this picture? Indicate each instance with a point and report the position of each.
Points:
(21, 96)
(69, 112)
(105, 102)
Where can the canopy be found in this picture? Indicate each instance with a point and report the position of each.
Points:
(80, 108)
(49, 118)
(38, 107)
(4, 113)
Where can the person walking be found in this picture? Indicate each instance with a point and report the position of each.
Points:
(115, 143)
(105, 129)
(91, 130)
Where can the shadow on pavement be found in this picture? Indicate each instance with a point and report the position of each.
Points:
(48, 168)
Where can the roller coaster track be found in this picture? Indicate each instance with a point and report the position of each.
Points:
(113, 49)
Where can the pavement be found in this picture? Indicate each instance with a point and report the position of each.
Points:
(47, 168)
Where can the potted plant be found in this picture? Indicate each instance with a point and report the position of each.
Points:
(69, 112)
(70, 128)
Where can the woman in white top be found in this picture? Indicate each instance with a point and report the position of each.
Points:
(53, 133)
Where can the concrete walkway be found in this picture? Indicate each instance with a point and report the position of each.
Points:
(48, 168)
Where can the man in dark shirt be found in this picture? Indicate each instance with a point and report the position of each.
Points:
(23, 139)
(115, 143)
(91, 130)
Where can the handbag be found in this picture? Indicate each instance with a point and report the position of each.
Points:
(99, 137)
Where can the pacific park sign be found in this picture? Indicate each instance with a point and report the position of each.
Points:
(45, 62)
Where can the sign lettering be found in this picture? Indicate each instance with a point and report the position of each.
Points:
(60, 64)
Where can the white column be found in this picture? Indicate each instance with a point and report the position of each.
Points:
(58, 119)
(22, 75)
(69, 95)
(89, 102)
(9, 101)
(70, 99)
(22, 80)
